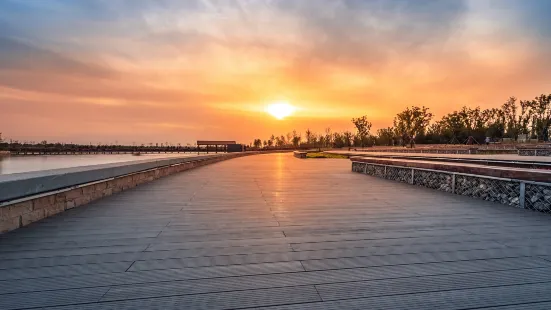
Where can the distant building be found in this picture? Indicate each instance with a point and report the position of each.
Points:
(235, 148)
(221, 145)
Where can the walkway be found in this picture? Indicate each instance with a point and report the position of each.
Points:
(275, 232)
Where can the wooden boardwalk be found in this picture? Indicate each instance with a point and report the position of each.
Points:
(275, 232)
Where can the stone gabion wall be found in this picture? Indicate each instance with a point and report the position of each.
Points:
(436, 180)
(358, 167)
(456, 152)
(23, 213)
(375, 170)
(398, 174)
(538, 197)
(505, 192)
(535, 152)
(430, 151)
(543, 152)
(526, 152)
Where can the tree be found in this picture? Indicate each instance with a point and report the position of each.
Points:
(280, 141)
(539, 113)
(458, 126)
(495, 123)
(512, 121)
(362, 126)
(347, 138)
(328, 137)
(296, 139)
(338, 140)
(385, 136)
(314, 139)
(290, 137)
(321, 141)
(412, 122)
(308, 136)
(523, 121)
(257, 143)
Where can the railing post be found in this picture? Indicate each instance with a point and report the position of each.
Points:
(412, 175)
(522, 195)
(384, 176)
(453, 183)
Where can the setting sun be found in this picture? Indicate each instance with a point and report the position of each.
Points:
(280, 110)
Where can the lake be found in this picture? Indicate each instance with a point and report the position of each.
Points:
(18, 164)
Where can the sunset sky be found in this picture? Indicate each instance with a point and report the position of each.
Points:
(154, 71)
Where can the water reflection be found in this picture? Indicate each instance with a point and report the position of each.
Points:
(279, 179)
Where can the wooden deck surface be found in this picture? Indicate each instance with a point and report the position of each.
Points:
(277, 232)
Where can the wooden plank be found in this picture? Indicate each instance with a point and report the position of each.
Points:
(51, 298)
(344, 284)
(214, 301)
(123, 278)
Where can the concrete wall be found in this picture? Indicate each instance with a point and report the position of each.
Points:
(35, 196)
(17, 185)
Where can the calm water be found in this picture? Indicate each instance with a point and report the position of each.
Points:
(17, 164)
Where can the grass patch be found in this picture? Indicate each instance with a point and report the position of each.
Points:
(325, 155)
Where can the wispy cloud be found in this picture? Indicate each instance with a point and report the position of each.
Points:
(207, 64)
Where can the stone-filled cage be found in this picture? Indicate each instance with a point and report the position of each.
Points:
(518, 193)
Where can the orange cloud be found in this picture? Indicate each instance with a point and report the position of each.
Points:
(192, 71)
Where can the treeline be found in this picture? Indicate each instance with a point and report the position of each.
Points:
(514, 119)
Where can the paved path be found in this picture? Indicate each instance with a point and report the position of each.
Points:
(276, 232)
